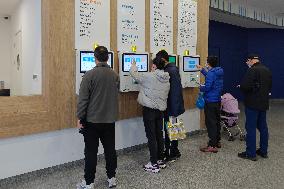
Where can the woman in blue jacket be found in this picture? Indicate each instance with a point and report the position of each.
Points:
(212, 95)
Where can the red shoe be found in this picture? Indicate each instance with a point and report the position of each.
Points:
(209, 149)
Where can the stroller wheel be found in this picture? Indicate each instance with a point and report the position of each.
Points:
(231, 138)
(242, 137)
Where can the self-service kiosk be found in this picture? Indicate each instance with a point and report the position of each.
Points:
(85, 61)
(127, 83)
(190, 74)
(172, 59)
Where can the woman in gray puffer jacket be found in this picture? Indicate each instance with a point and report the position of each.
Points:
(153, 94)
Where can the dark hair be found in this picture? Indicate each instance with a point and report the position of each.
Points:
(159, 63)
(212, 61)
(162, 54)
(160, 60)
(101, 53)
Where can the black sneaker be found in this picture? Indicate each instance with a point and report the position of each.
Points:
(175, 153)
(258, 152)
(178, 155)
(170, 159)
(245, 156)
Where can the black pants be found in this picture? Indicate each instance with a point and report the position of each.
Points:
(106, 133)
(212, 121)
(153, 122)
(171, 147)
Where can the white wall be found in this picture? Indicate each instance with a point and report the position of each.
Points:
(27, 19)
(5, 51)
(29, 153)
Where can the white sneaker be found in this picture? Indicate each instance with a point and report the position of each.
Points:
(162, 164)
(82, 185)
(111, 182)
(152, 168)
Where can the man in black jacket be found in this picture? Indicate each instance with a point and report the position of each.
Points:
(175, 104)
(256, 86)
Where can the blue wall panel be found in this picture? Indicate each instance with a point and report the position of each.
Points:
(269, 44)
(232, 44)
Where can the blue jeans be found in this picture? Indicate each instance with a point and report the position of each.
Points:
(256, 120)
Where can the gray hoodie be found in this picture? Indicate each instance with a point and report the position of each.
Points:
(154, 88)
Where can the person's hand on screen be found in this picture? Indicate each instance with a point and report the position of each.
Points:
(133, 62)
(199, 67)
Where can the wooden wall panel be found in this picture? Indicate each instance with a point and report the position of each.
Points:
(202, 44)
(22, 124)
(59, 60)
(56, 108)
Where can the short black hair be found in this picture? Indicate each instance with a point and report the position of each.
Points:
(159, 63)
(101, 53)
(212, 61)
(162, 54)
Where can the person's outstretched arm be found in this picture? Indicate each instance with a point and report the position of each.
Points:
(210, 77)
(202, 70)
(138, 77)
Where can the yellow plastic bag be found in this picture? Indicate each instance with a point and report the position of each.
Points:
(175, 129)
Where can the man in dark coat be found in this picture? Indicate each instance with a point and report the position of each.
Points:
(256, 86)
(175, 104)
(97, 112)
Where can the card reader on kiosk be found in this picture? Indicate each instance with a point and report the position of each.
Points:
(85, 61)
(127, 83)
(190, 74)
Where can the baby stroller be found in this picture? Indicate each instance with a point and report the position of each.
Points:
(229, 116)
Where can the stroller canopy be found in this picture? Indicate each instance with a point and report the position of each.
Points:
(229, 104)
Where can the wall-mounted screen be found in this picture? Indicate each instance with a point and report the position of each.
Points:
(190, 63)
(173, 59)
(87, 60)
(140, 59)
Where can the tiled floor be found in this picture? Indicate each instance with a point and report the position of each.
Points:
(193, 170)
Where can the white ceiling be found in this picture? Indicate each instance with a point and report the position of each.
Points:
(273, 6)
(224, 17)
(7, 7)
